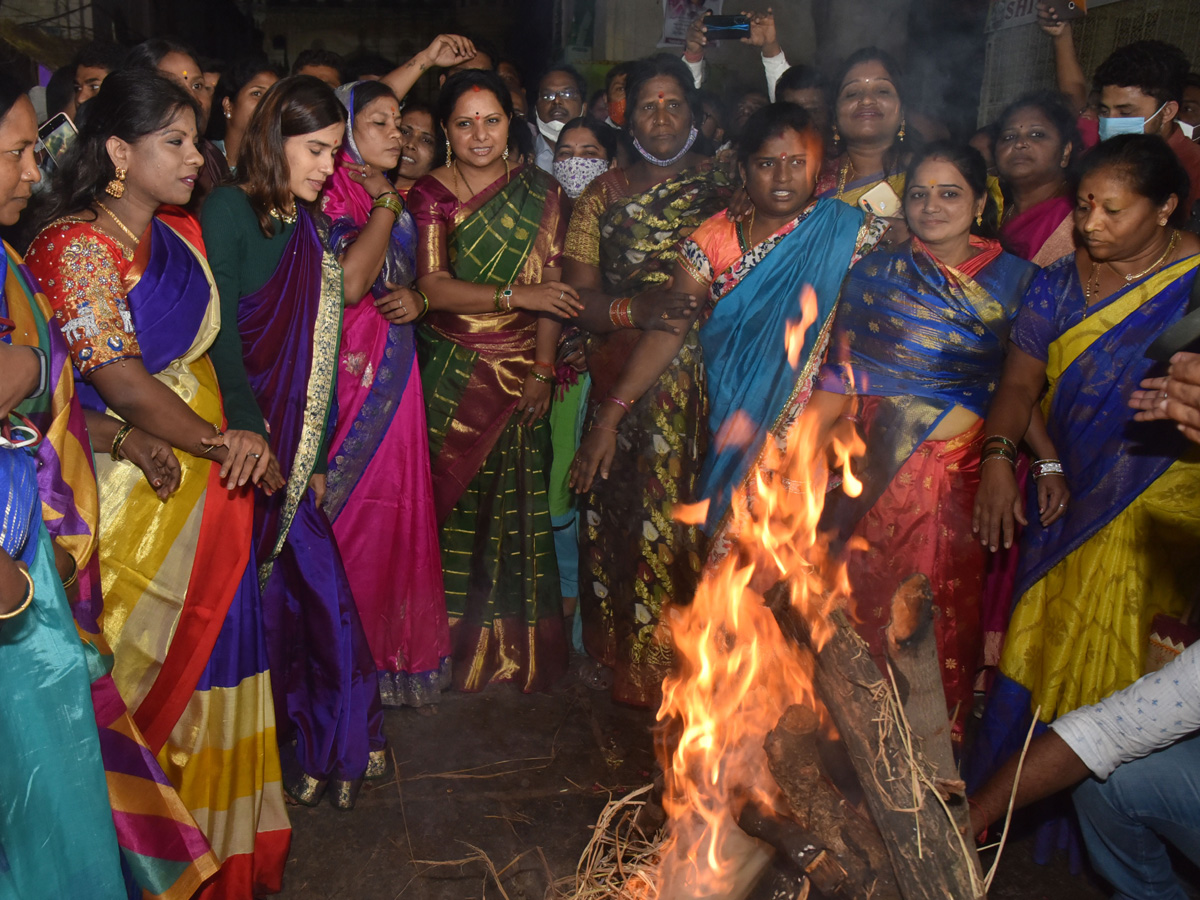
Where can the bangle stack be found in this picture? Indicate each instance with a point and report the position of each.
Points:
(624, 404)
(619, 314)
(424, 299)
(503, 298)
(118, 440)
(26, 601)
(1046, 467)
(390, 201)
(998, 447)
(540, 376)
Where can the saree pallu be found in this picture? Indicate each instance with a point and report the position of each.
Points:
(753, 303)
(634, 557)
(52, 785)
(490, 474)
(1090, 585)
(918, 339)
(325, 686)
(164, 851)
(379, 491)
(1043, 233)
(179, 606)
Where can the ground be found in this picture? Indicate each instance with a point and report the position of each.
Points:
(522, 778)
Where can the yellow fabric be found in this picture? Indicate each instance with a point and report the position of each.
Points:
(1080, 633)
(1068, 347)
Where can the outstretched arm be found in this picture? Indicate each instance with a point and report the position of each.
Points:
(443, 51)
(1069, 73)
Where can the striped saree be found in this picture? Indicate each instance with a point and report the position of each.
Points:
(179, 607)
(489, 472)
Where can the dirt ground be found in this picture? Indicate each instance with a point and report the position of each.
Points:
(519, 779)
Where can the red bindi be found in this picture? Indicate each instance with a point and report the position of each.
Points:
(1092, 201)
(661, 95)
(476, 88)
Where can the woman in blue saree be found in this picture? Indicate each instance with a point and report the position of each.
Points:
(917, 349)
(1090, 584)
(745, 280)
(281, 305)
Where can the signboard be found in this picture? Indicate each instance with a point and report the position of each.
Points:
(1010, 13)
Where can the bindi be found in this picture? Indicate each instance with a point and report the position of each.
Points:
(1091, 201)
(476, 88)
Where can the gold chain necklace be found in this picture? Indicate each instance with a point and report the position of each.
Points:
(112, 215)
(1092, 288)
(454, 170)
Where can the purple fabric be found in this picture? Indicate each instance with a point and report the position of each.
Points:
(170, 299)
(322, 675)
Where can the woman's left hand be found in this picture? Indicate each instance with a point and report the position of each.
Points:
(1053, 497)
(401, 306)
(155, 458)
(740, 206)
(369, 177)
(535, 400)
(316, 484)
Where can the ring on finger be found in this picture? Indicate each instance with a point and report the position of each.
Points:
(255, 455)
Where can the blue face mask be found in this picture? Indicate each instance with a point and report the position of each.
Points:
(1111, 127)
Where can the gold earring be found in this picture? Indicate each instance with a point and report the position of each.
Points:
(504, 155)
(900, 133)
(449, 154)
(1162, 222)
(837, 138)
(979, 220)
(116, 187)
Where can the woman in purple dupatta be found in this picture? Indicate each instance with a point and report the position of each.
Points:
(379, 482)
(281, 299)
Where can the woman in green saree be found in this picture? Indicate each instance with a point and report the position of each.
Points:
(490, 238)
(621, 250)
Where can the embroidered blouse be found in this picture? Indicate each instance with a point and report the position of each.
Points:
(82, 271)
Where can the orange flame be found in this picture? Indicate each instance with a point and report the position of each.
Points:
(736, 672)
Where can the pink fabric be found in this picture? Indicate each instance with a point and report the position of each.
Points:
(387, 530)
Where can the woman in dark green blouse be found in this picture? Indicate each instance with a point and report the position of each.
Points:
(281, 314)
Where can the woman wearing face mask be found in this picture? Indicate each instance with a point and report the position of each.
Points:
(134, 299)
(490, 247)
(379, 490)
(1123, 549)
(745, 279)
(281, 317)
(869, 130)
(586, 148)
(1034, 148)
(241, 89)
(917, 348)
(621, 251)
(418, 145)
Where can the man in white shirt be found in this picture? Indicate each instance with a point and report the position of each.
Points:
(561, 93)
(762, 34)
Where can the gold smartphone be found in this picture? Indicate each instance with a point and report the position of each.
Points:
(881, 200)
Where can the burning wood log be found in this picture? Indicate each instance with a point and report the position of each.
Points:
(903, 762)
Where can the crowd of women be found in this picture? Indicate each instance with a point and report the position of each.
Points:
(307, 417)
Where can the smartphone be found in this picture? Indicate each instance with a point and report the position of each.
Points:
(1067, 9)
(55, 137)
(720, 28)
(881, 200)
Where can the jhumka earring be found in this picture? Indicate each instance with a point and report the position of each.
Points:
(837, 138)
(504, 155)
(449, 154)
(116, 187)
(979, 220)
(900, 133)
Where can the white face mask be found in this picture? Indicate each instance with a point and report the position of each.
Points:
(1189, 131)
(549, 130)
(1111, 127)
(576, 172)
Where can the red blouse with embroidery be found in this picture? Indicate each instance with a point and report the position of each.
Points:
(82, 272)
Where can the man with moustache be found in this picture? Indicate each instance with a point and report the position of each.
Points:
(561, 93)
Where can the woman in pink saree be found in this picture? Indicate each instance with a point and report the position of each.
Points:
(379, 482)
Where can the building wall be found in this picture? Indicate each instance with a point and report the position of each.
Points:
(1021, 59)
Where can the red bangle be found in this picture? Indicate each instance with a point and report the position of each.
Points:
(618, 312)
(549, 367)
(624, 404)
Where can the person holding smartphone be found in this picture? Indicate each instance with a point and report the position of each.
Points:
(869, 133)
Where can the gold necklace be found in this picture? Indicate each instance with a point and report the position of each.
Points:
(454, 170)
(287, 218)
(1092, 288)
(112, 215)
(1129, 279)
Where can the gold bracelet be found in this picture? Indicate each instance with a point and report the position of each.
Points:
(28, 597)
(118, 440)
(544, 379)
(425, 300)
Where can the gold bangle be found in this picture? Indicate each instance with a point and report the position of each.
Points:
(544, 379)
(28, 596)
(425, 300)
(73, 578)
(118, 440)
